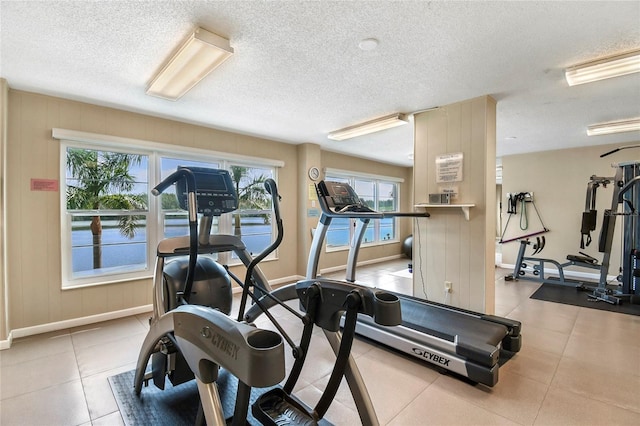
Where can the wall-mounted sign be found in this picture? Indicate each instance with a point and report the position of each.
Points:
(44, 184)
(313, 195)
(449, 168)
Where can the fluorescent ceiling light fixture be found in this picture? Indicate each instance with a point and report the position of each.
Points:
(200, 54)
(614, 127)
(612, 66)
(367, 127)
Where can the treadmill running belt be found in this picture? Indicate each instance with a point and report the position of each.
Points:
(446, 324)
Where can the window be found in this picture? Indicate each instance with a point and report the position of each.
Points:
(380, 195)
(339, 232)
(106, 211)
(111, 225)
(387, 202)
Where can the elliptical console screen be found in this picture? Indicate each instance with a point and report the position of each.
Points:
(215, 193)
(341, 197)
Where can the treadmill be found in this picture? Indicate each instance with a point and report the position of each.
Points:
(468, 343)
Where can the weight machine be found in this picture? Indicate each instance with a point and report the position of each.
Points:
(536, 266)
(625, 201)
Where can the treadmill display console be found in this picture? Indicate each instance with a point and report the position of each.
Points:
(215, 193)
(340, 196)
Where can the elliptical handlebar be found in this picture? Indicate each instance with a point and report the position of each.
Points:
(190, 179)
(181, 173)
(272, 188)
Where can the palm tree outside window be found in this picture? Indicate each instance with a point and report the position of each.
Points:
(107, 204)
(252, 221)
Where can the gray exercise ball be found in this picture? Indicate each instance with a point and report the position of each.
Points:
(407, 247)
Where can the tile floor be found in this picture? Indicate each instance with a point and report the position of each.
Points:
(577, 366)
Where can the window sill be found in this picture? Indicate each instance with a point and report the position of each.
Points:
(103, 281)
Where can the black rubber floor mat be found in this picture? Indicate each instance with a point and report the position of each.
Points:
(172, 406)
(571, 296)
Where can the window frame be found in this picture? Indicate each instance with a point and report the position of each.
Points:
(154, 215)
(66, 228)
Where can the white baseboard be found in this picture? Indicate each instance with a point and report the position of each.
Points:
(363, 263)
(274, 283)
(70, 323)
(6, 344)
(287, 280)
(92, 319)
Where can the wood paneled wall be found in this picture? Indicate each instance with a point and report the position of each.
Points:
(446, 246)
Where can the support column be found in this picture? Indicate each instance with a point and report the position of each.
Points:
(448, 246)
(309, 156)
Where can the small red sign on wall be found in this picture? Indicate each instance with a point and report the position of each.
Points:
(44, 184)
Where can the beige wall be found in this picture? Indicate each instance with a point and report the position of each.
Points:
(34, 271)
(450, 247)
(559, 180)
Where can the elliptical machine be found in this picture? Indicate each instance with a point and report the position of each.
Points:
(187, 340)
(190, 332)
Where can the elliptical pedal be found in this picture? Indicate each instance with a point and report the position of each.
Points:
(279, 409)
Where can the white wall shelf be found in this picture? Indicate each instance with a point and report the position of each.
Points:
(465, 207)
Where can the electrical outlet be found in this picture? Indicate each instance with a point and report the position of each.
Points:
(448, 286)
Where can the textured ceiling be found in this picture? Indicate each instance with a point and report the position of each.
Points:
(297, 72)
